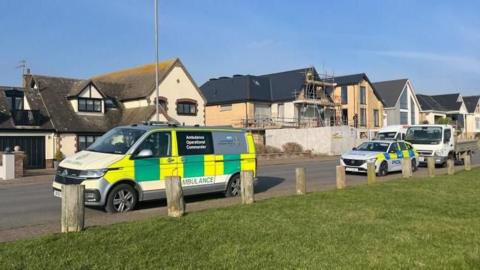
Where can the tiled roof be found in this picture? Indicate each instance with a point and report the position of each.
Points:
(390, 91)
(471, 103)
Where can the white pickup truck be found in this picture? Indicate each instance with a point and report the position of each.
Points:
(440, 142)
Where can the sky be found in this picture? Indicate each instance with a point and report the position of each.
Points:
(435, 44)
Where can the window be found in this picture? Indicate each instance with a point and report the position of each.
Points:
(345, 116)
(110, 103)
(226, 107)
(186, 108)
(159, 143)
(89, 105)
(393, 148)
(477, 121)
(403, 118)
(447, 134)
(194, 143)
(376, 118)
(84, 141)
(116, 141)
(14, 99)
(344, 94)
(412, 112)
(363, 117)
(363, 95)
(403, 146)
(404, 100)
(162, 103)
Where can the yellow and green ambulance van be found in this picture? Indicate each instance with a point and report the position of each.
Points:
(129, 163)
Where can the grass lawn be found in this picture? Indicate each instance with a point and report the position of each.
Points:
(419, 223)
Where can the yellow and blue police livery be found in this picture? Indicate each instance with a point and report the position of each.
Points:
(387, 156)
(130, 163)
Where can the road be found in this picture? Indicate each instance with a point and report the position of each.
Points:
(30, 209)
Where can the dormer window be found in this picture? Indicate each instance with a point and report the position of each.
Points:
(14, 99)
(89, 105)
(110, 103)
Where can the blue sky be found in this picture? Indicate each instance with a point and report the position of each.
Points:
(434, 43)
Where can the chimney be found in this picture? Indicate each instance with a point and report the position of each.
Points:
(27, 79)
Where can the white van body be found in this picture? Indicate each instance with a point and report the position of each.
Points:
(393, 132)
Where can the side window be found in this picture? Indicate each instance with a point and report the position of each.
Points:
(229, 142)
(393, 148)
(194, 143)
(446, 135)
(403, 146)
(159, 143)
(409, 147)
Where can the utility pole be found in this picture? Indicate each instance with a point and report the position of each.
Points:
(156, 61)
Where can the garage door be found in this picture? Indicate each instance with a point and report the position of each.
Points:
(33, 146)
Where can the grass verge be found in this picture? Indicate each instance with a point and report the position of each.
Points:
(419, 223)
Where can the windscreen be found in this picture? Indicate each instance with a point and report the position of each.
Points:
(116, 141)
(424, 135)
(373, 146)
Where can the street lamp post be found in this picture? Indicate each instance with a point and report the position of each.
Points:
(156, 62)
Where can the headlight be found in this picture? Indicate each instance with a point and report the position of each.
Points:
(372, 160)
(92, 173)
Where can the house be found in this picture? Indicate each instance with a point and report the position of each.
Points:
(473, 117)
(436, 107)
(360, 105)
(291, 98)
(401, 104)
(50, 114)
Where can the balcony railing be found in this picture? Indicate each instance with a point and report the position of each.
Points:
(26, 117)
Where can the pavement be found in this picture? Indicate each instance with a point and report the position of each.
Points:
(28, 208)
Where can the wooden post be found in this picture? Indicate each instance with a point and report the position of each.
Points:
(467, 161)
(371, 176)
(406, 168)
(73, 208)
(174, 192)
(246, 182)
(341, 183)
(301, 181)
(431, 166)
(450, 166)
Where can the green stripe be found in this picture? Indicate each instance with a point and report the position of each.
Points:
(147, 169)
(231, 164)
(193, 166)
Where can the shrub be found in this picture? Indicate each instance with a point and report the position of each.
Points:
(292, 147)
(59, 155)
(272, 149)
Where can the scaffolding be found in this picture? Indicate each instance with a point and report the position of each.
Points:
(315, 100)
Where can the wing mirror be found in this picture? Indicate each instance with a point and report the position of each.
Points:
(145, 153)
(354, 148)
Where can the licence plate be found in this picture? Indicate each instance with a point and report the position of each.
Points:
(351, 169)
(421, 159)
(57, 193)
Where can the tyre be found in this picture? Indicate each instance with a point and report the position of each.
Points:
(383, 170)
(233, 187)
(414, 165)
(122, 198)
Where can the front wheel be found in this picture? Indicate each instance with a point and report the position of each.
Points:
(121, 198)
(383, 170)
(233, 187)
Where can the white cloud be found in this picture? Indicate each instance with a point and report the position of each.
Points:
(463, 63)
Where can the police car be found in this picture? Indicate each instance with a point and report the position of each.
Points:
(387, 156)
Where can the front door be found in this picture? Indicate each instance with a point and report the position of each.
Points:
(150, 172)
(395, 161)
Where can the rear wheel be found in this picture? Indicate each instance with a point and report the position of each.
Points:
(121, 198)
(233, 187)
(383, 170)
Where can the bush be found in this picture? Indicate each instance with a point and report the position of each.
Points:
(59, 155)
(272, 150)
(292, 147)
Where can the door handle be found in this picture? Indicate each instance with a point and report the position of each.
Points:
(170, 160)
